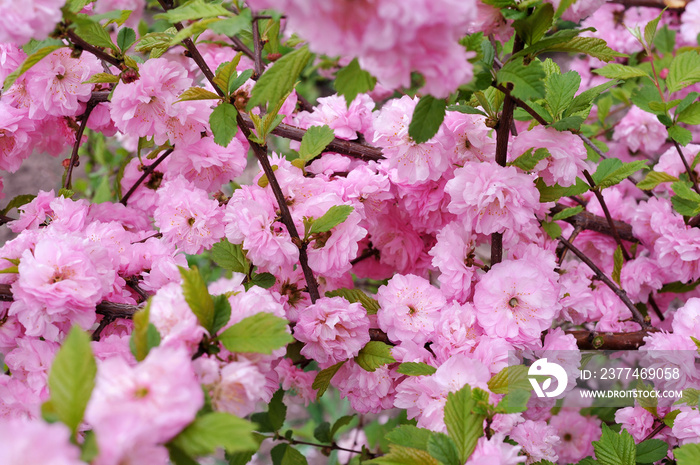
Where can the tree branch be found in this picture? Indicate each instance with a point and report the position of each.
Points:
(78, 137)
(146, 172)
(606, 212)
(78, 42)
(591, 222)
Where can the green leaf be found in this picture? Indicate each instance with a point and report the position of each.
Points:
(197, 297)
(196, 9)
(145, 336)
(618, 261)
(690, 396)
(561, 90)
(685, 207)
(528, 81)
(323, 379)
(567, 213)
(353, 80)
(332, 218)
(17, 202)
(314, 141)
(179, 457)
(340, 422)
(410, 436)
(651, 450)
(99, 78)
(683, 190)
(654, 178)
(555, 192)
(415, 369)
(92, 32)
(443, 448)
(31, 60)
(197, 93)
(322, 432)
(680, 135)
(74, 6)
(279, 80)
(569, 123)
(427, 118)
(277, 411)
(615, 449)
(284, 454)
(232, 26)
(465, 109)
(547, 43)
(89, 449)
(374, 355)
(222, 312)
(687, 454)
(125, 38)
(583, 101)
(400, 455)
(156, 43)
(261, 333)
(617, 71)
(193, 29)
(691, 114)
(356, 295)
(72, 379)
(597, 48)
(665, 40)
(514, 402)
(217, 429)
(679, 287)
(528, 160)
(463, 426)
(553, 230)
(264, 280)
(684, 71)
(239, 80)
(612, 171)
(509, 379)
(533, 28)
(650, 29)
(230, 256)
(223, 123)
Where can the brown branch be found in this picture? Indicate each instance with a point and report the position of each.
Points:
(636, 315)
(688, 169)
(78, 42)
(257, 50)
(587, 340)
(660, 427)
(146, 172)
(671, 4)
(78, 137)
(591, 222)
(606, 212)
(241, 47)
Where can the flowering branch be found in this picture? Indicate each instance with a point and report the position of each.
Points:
(606, 212)
(593, 340)
(79, 43)
(146, 172)
(591, 222)
(78, 137)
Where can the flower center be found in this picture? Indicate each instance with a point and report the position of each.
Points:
(513, 302)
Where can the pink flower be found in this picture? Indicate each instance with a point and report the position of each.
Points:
(456, 331)
(516, 301)
(32, 19)
(636, 420)
(454, 256)
(409, 308)
(690, 23)
(296, 381)
(640, 277)
(567, 154)
(56, 87)
(686, 426)
(495, 451)
(332, 330)
(407, 161)
(611, 22)
(187, 218)
(399, 245)
(15, 137)
(578, 10)
(490, 198)
(24, 442)
(576, 433)
(368, 392)
(345, 122)
(239, 388)
(30, 363)
(537, 440)
(473, 141)
(150, 402)
(686, 320)
(207, 164)
(11, 56)
(174, 320)
(640, 130)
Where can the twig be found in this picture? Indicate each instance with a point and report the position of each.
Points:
(606, 212)
(146, 172)
(660, 427)
(636, 315)
(674, 5)
(241, 47)
(257, 49)
(688, 169)
(76, 145)
(591, 222)
(78, 42)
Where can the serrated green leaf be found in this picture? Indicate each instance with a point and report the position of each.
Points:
(465, 109)
(510, 378)
(679, 287)
(415, 369)
(567, 213)
(339, 423)
(353, 80)
(514, 402)
(279, 80)
(72, 378)
(197, 297)
(155, 43)
(444, 449)
(410, 436)
(89, 449)
(544, 45)
(555, 192)
(683, 71)
(528, 81)
(196, 9)
(232, 26)
(615, 171)
(691, 114)
(284, 454)
(276, 410)
(680, 135)
(597, 48)
(213, 430)
(222, 312)
(618, 71)
(223, 123)
(650, 29)
(179, 457)
(264, 280)
(145, 336)
(374, 355)
(332, 218)
(193, 29)
(323, 379)
(683, 190)
(654, 178)
(528, 160)
(618, 261)
(665, 40)
(355, 295)
(322, 432)
(464, 427)
(670, 418)
(74, 6)
(553, 230)
(125, 38)
(315, 141)
(427, 118)
(239, 80)
(230, 256)
(261, 333)
(197, 93)
(583, 101)
(569, 123)
(17, 202)
(93, 32)
(687, 454)
(98, 78)
(685, 207)
(651, 450)
(533, 28)
(31, 60)
(614, 448)
(561, 90)
(690, 396)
